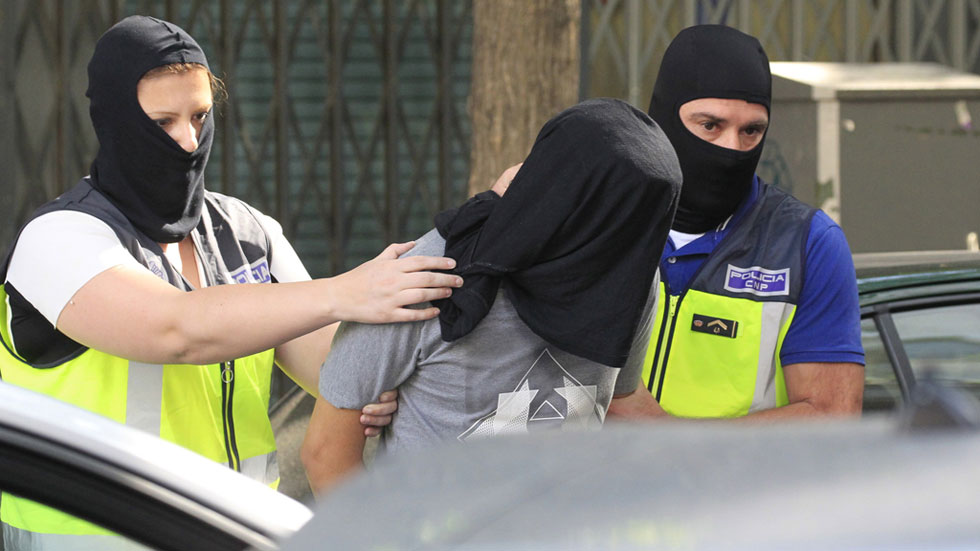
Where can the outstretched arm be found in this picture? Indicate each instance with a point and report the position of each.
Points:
(131, 313)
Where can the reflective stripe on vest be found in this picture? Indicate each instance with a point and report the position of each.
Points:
(770, 387)
(147, 390)
(264, 468)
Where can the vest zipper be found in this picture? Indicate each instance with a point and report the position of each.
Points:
(672, 306)
(660, 339)
(228, 414)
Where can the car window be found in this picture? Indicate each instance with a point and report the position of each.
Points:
(881, 389)
(944, 339)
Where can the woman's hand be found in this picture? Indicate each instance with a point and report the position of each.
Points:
(379, 290)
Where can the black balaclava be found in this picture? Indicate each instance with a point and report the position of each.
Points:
(139, 167)
(710, 61)
(574, 238)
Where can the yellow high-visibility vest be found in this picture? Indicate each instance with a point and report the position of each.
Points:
(714, 348)
(219, 410)
(704, 374)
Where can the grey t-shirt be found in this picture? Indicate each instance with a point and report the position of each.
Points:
(499, 379)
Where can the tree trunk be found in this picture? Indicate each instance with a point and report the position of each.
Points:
(525, 70)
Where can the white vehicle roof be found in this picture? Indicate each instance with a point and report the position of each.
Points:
(214, 486)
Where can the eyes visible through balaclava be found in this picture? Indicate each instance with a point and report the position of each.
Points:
(710, 61)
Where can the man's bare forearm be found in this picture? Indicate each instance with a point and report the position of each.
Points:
(334, 446)
(814, 390)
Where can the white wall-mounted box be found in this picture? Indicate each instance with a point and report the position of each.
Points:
(890, 150)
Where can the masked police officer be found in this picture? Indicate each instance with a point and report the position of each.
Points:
(758, 314)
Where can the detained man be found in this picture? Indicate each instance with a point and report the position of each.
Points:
(552, 321)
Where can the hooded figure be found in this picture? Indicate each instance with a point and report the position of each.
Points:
(576, 237)
(551, 324)
(710, 61)
(139, 167)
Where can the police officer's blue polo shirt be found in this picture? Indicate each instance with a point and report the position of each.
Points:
(827, 323)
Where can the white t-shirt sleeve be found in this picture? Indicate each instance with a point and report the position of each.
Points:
(286, 266)
(58, 253)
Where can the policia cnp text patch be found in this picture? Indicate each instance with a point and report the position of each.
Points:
(714, 326)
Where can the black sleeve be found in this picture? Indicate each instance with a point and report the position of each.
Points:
(37, 341)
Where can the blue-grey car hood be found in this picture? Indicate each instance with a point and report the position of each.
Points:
(684, 486)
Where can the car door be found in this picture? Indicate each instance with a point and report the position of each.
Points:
(110, 496)
(906, 339)
(133, 483)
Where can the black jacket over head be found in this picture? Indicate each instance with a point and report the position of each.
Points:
(139, 167)
(577, 237)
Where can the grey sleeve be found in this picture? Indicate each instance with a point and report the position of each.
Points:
(365, 360)
(629, 375)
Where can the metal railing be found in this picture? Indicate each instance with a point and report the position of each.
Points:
(345, 120)
(627, 37)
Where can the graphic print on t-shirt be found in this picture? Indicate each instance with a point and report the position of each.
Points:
(547, 396)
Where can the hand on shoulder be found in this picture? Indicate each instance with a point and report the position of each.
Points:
(379, 290)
